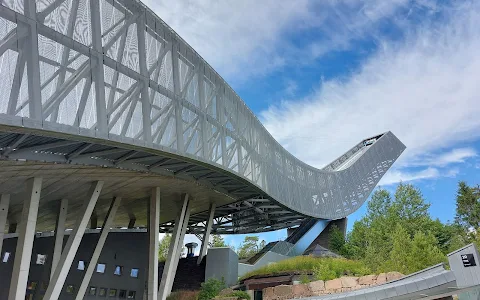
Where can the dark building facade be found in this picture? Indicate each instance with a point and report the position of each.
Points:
(121, 271)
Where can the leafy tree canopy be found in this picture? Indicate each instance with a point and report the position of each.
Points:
(250, 246)
(395, 230)
(163, 247)
(218, 241)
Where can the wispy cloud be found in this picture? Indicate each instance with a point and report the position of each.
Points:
(399, 175)
(249, 38)
(424, 88)
(420, 82)
(458, 155)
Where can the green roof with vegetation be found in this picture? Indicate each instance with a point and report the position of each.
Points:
(322, 268)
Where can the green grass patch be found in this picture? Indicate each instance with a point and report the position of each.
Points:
(322, 268)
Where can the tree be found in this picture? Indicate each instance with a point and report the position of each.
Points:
(218, 241)
(468, 206)
(163, 247)
(336, 242)
(390, 223)
(250, 246)
(425, 251)
(399, 256)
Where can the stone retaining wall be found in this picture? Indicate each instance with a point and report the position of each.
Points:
(320, 287)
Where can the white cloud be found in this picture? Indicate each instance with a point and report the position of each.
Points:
(241, 39)
(395, 176)
(459, 155)
(424, 89)
(422, 85)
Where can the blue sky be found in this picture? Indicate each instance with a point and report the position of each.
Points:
(322, 75)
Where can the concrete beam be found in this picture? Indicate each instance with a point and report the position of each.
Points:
(206, 234)
(168, 274)
(59, 234)
(154, 223)
(107, 223)
(4, 204)
(26, 235)
(180, 245)
(68, 254)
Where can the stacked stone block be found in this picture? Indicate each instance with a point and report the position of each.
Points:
(320, 287)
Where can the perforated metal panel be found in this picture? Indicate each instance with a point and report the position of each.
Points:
(113, 70)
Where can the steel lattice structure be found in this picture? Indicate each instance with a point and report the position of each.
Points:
(108, 83)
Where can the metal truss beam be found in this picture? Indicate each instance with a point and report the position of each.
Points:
(135, 83)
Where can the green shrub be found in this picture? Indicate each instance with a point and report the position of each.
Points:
(304, 279)
(239, 295)
(327, 267)
(323, 272)
(183, 295)
(211, 288)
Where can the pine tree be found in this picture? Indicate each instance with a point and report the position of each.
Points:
(163, 247)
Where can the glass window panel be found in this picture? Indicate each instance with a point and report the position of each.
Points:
(32, 285)
(70, 289)
(92, 291)
(134, 273)
(102, 292)
(41, 259)
(122, 294)
(81, 265)
(101, 268)
(6, 256)
(112, 293)
(131, 295)
(118, 270)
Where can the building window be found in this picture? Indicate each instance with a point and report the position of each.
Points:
(112, 293)
(6, 256)
(41, 259)
(131, 295)
(70, 289)
(92, 291)
(134, 273)
(32, 285)
(122, 294)
(81, 265)
(101, 268)
(118, 270)
(102, 292)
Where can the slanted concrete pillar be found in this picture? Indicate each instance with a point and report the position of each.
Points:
(153, 225)
(68, 254)
(180, 245)
(107, 223)
(206, 234)
(59, 234)
(168, 271)
(4, 203)
(26, 235)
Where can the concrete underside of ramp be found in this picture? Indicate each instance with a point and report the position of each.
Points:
(73, 182)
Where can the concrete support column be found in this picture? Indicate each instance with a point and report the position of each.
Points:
(68, 254)
(168, 274)
(206, 234)
(59, 234)
(4, 203)
(154, 223)
(107, 223)
(180, 245)
(26, 234)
